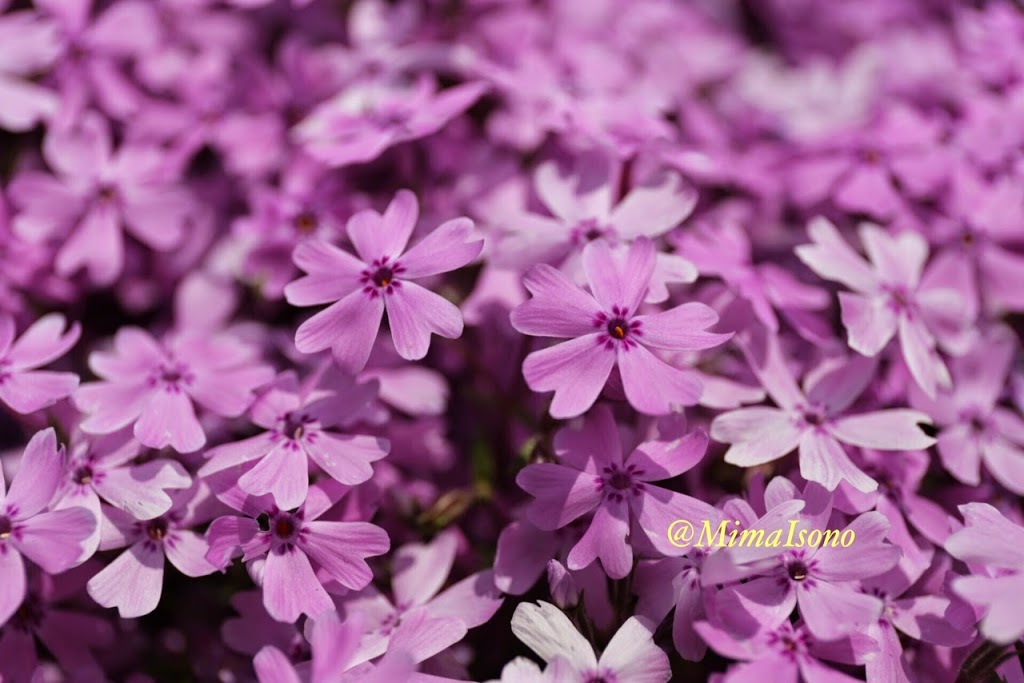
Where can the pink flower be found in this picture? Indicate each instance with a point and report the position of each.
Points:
(974, 428)
(53, 540)
(334, 644)
(894, 295)
(631, 655)
(585, 207)
(820, 580)
(302, 425)
(606, 332)
(95, 196)
(289, 552)
(152, 385)
(31, 44)
(593, 475)
(363, 120)
(133, 581)
(995, 545)
(432, 619)
(786, 653)
(381, 278)
(101, 468)
(813, 420)
(23, 388)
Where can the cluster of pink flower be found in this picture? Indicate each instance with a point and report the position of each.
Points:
(410, 333)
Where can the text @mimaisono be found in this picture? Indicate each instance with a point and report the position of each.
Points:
(728, 534)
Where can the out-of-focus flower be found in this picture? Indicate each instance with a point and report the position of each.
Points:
(23, 388)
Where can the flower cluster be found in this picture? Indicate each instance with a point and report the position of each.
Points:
(390, 341)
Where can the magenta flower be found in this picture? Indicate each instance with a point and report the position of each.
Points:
(631, 655)
(585, 208)
(921, 613)
(95, 196)
(52, 615)
(334, 644)
(381, 278)
(101, 468)
(813, 420)
(894, 295)
(724, 251)
(282, 547)
(31, 44)
(821, 580)
(134, 581)
(974, 428)
(679, 578)
(23, 388)
(427, 616)
(606, 332)
(363, 120)
(52, 539)
(152, 385)
(786, 653)
(302, 425)
(593, 475)
(993, 545)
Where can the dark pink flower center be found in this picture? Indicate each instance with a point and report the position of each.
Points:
(285, 527)
(6, 527)
(617, 328)
(173, 375)
(106, 194)
(381, 276)
(588, 230)
(156, 529)
(294, 426)
(82, 475)
(797, 571)
(305, 223)
(616, 481)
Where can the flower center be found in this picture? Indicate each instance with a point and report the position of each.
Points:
(813, 418)
(620, 480)
(82, 475)
(616, 482)
(383, 276)
(797, 571)
(284, 527)
(106, 194)
(305, 223)
(588, 230)
(6, 527)
(294, 426)
(618, 328)
(977, 423)
(157, 529)
(173, 374)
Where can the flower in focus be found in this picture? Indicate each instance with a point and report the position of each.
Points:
(381, 278)
(606, 332)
